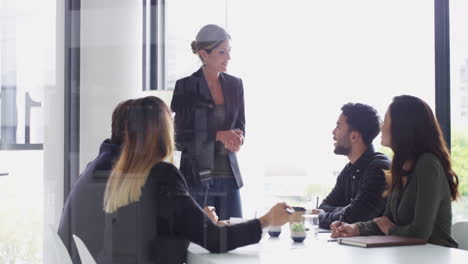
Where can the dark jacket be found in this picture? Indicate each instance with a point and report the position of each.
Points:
(357, 195)
(83, 214)
(423, 208)
(159, 227)
(194, 123)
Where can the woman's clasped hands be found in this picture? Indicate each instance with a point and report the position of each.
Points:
(232, 139)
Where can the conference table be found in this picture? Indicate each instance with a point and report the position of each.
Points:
(317, 249)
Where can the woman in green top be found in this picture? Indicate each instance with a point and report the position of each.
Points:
(421, 183)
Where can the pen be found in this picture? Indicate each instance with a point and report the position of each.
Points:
(341, 219)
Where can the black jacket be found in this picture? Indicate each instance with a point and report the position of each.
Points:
(357, 194)
(157, 228)
(83, 214)
(194, 123)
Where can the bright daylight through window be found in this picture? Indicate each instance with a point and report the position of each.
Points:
(300, 61)
(459, 100)
(27, 71)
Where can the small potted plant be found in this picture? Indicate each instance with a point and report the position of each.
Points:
(298, 233)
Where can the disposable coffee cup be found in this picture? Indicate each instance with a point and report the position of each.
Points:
(297, 215)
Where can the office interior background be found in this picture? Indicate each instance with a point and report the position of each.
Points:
(65, 64)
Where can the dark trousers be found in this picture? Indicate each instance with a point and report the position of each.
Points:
(222, 193)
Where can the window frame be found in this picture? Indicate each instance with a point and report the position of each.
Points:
(442, 67)
(72, 38)
(154, 54)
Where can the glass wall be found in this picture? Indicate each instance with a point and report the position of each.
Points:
(459, 100)
(27, 55)
(300, 61)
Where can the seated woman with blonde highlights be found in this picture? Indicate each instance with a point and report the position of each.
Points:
(421, 183)
(151, 216)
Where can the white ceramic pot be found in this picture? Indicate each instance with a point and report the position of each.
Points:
(274, 231)
(298, 237)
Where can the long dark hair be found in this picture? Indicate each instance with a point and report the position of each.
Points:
(414, 131)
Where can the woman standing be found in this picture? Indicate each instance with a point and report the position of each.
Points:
(210, 125)
(421, 182)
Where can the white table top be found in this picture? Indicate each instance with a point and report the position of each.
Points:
(317, 249)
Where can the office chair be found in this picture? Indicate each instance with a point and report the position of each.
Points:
(85, 256)
(460, 233)
(60, 254)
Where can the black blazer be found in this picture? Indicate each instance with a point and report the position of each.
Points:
(194, 123)
(154, 230)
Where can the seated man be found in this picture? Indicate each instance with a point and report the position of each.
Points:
(357, 195)
(90, 187)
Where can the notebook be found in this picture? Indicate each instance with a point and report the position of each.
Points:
(380, 241)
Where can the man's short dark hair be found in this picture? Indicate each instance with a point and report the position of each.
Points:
(119, 121)
(363, 119)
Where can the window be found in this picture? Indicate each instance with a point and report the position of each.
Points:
(22, 85)
(322, 55)
(300, 61)
(182, 25)
(459, 98)
(173, 27)
(27, 70)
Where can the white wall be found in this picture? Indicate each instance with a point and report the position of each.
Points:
(110, 71)
(111, 66)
